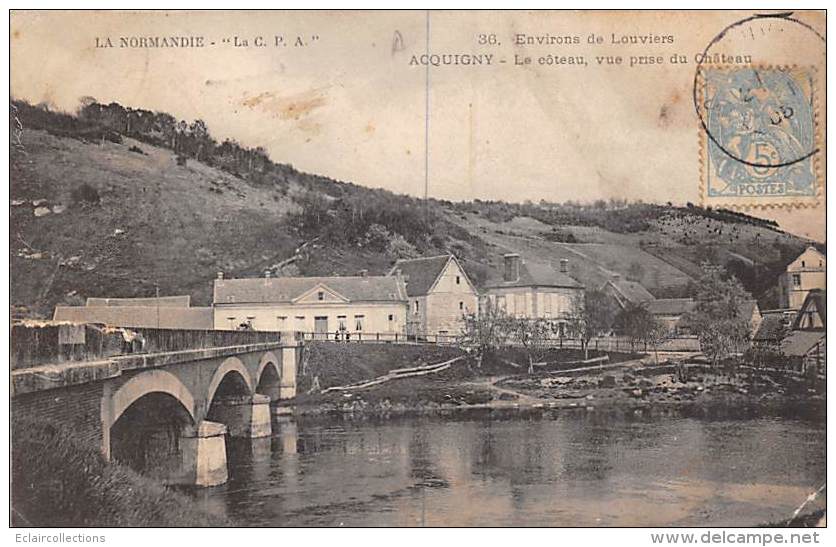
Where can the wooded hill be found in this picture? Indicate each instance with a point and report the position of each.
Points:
(115, 201)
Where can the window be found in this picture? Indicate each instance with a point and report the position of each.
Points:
(358, 322)
(341, 324)
(391, 317)
(803, 265)
(796, 280)
(320, 295)
(458, 280)
(416, 306)
(280, 321)
(461, 305)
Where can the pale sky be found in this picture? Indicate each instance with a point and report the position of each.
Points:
(349, 104)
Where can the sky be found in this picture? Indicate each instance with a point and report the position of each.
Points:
(345, 94)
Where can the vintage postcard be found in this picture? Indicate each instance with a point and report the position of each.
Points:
(418, 268)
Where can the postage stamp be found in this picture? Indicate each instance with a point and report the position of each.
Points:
(759, 143)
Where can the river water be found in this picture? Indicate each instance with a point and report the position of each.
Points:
(669, 467)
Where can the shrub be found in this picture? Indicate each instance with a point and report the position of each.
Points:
(85, 194)
(58, 481)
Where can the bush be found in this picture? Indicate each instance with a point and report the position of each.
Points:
(57, 481)
(85, 194)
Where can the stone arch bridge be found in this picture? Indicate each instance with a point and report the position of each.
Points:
(165, 410)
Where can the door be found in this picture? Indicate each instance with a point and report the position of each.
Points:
(321, 328)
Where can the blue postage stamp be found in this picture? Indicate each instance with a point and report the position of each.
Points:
(759, 135)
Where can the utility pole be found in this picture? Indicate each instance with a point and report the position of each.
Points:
(427, 131)
(157, 299)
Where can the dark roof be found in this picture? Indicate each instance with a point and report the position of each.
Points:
(170, 317)
(770, 328)
(535, 274)
(671, 306)
(817, 298)
(420, 273)
(163, 301)
(633, 292)
(287, 289)
(798, 343)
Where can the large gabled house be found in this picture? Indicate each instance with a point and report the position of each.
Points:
(325, 307)
(805, 346)
(535, 291)
(805, 273)
(440, 295)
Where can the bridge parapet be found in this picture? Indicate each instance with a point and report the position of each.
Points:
(49, 343)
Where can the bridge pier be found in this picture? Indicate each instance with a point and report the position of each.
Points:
(287, 389)
(247, 417)
(204, 456)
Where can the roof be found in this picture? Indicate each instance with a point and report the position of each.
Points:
(535, 274)
(420, 274)
(816, 298)
(287, 289)
(170, 317)
(671, 306)
(631, 291)
(798, 343)
(770, 328)
(162, 301)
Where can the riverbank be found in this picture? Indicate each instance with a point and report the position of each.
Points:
(631, 383)
(57, 481)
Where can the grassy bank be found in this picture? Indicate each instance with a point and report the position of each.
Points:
(336, 364)
(502, 383)
(56, 481)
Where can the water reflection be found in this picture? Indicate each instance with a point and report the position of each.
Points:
(574, 468)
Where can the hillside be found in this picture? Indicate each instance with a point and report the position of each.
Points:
(100, 212)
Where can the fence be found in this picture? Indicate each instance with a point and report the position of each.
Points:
(603, 343)
(373, 337)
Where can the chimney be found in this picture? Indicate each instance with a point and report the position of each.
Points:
(564, 265)
(512, 267)
(220, 275)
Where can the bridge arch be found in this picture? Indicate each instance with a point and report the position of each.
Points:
(269, 376)
(152, 381)
(150, 415)
(231, 366)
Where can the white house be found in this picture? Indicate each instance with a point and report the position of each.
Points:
(806, 272)
(535, 291)
(440, 294)
(328, 307)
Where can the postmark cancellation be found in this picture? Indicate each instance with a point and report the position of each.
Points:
(759, 137)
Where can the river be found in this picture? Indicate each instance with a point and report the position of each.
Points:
(664, 467)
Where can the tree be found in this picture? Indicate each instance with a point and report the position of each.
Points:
(592, 313)
(716, 319)
(533, 335)
(637, 323)
(486, 332)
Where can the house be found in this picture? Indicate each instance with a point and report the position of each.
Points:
(165, 312)
(775, 324)
(625, 293)
(672, 313)
(533, 290)
(440, 295)
(805, 346)
(327, 307)
(803, 274)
